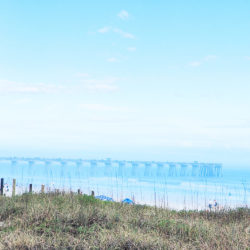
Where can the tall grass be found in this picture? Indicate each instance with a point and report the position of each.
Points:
(71, 221)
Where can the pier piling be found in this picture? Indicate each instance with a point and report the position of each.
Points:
(2, 185)
(42, 189)
(30, 188)
(14, 187)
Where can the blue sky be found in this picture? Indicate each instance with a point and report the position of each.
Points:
(156, 80)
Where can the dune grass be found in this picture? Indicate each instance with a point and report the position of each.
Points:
(72, 221)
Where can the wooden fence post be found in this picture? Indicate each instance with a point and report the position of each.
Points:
(2, 185)
(14, 187)
(92, 193)
(42, 189)
(79, 191)
(30, 188)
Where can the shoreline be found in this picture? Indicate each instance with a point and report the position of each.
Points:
(161, 205)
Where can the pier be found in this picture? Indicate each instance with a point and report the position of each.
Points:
(128, 168)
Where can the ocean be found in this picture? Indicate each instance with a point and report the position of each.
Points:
(231, 189)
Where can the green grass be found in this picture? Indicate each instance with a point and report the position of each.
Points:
(71, 221)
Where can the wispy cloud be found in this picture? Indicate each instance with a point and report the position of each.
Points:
(103, 108)
(247, 57)
(203, 60)
(131, 49)
(195, 64)
(108, 84)
(25, 88)
(117, 31)
(123, 33)
(123, 15)
(210, 57)
(101, 85)
(112, 59)
(104, 30)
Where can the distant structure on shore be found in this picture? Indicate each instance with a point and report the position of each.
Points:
(130, 168)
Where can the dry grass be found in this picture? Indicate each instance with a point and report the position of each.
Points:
(70, 221)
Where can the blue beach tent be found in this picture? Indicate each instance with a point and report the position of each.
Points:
(128, 201)
(104, 198)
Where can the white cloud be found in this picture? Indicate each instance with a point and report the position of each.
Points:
(132, 49)
(104, 30)
(107, 84)
(195, 64)
(24, 88)
(247, 57)
(210, 57)
(203, 60)
(124, 34)
(123, 15)
(101, 85)
(103, 108)
(112, 59)
(118, 31)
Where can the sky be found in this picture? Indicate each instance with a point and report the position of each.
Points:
(146, 80)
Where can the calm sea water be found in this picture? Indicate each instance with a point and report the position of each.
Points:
(232, 189)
